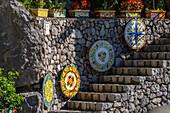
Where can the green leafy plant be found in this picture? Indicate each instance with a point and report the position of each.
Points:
(59, 5)
(37, 3)
(32, 3)
(8, 97)
(108, 5)
(159, 7)
(49, 4)
(55, 5)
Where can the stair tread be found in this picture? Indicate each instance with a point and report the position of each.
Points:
(145, 60)
(151, 52)
(134, 68)
(90, 102)
(102, 93)
(65, 111)
(112, 84)
(120, 76)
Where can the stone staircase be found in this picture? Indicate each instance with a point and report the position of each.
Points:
(109, 91)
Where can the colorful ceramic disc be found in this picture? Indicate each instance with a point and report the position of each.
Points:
(48, 90)
(101, 56)
(70, 81)
(135, 34)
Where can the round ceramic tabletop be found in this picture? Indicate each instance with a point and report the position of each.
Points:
(135, 34)
(48, 90)
(101, 56)
(70, 81)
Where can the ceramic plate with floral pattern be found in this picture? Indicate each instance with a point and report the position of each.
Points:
(70, 81)
(101, 56)
(48, 90)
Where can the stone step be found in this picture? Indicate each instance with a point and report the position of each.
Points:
(99, 97)
(165, 35)
(76, 111)
(65, 111)
(151, 55)
(162, 41)
(139, 71)
(146, 63)
(108, 88)
(156, 48)
(89, 106)
(117, 79)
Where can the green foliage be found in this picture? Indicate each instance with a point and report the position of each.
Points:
(108, 4)
(147, 9)
(55, 5)
(37, 4)
(25, 3)
(32, 3)
(49, 4)
(59, 5)
(159, 7)
(8, 97)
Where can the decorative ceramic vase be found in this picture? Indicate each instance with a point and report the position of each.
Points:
(59, 13)
(130, 13)
(105, 13)
(155, 14)
(168, 14)
(39, 12)
(79, 13)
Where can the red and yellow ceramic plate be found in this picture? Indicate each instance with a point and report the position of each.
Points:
(70, 81)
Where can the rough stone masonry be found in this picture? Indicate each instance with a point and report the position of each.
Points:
(25, 48)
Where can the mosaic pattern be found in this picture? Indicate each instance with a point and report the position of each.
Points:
(48, 90)
(40, 12)
(79, 13)
(70, 81)
(101, 56)
(135, 34)
(155, 14)
(60, 14)
(130, 14)
(104, 14)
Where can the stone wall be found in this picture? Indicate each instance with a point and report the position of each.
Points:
(28, 50)
(70, 40)
(153, 92)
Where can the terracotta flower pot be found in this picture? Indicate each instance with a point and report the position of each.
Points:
(105, 13)
(39, 12)
(130, 13)
(59, 13)
(79, 13)
(155, 14)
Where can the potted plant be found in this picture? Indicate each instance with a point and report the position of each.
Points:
(9, 100)
(79, 9)
(168, 12)
(131, 8)
(106, 11)
(36, 8)
(56, 9)
(155, 12)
